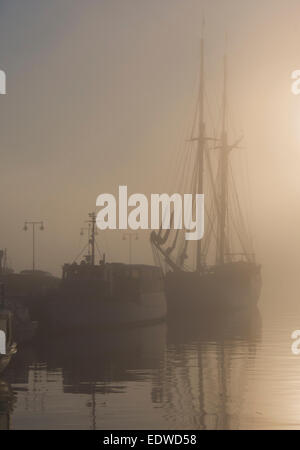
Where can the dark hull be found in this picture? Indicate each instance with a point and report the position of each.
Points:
(105, 296)
(73, 311)
(5, 359)
(232, 286)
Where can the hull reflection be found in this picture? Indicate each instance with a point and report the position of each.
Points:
(7, 398)
(203, 383)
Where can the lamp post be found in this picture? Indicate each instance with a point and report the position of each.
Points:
(33, 224)
(129, 236)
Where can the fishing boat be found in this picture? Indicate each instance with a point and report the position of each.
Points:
(106, 294)
(220, 271)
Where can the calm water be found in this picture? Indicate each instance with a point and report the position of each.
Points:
(233, 372)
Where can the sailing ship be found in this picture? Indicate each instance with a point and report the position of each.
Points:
(221, 272)
(106, 294)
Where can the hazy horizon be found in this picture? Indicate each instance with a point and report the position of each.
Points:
(101, 93)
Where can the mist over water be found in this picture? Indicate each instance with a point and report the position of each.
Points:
(233, 372)
(100, 94)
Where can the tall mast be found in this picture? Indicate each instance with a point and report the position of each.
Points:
(201, 139)
(224, 152)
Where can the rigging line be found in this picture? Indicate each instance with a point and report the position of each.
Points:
(240, 238)
(180, 163)
(185, 167)
(228, 243)
(189, 129)
(178, 159)
(188, 148)
(236, 216)
(211, 230)
(97, 247)
(74, 260)
(210, 114)
(210, 213)
(241, 241)
(186, 156)
(170, 249)
(194, 169)
(156, 259)
(212, 180)
(239, 206)
(180, 140)
(246, 194)
(245, 218)
(248, 197)
(213, 97)
(211, 209)
(105, 245)
(186, 243)
(211, 218)
(242, 231)
(235, 224)
(218, 108)
(231, 123)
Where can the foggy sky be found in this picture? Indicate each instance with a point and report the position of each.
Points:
(100, 93)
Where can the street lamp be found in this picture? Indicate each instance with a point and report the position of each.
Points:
(25, 228)
(130, 235)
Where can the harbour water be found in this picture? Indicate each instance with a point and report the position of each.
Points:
(232, 372)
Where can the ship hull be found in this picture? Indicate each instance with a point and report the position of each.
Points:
(75, 311)
(5, 359)
(233, 286)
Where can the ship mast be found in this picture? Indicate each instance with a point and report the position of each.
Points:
(225, 150)
(156, 239)
(92, 222)
(224, 153)
(201, 140)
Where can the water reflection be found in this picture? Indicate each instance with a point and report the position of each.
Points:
(191, 374)
(206, 371)
(7, 398)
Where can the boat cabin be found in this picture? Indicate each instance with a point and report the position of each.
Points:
(114, 279)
